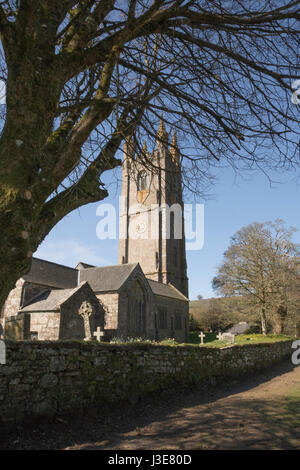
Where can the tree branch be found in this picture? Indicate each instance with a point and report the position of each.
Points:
(6, 31)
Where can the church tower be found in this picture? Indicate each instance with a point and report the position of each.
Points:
(151, 212)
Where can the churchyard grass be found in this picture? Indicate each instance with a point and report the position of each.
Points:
(247, 339)
(209, 340)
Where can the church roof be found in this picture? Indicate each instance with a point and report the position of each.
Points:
(82, 265)
(107, 278)
(166, 290)
(50, 300)
(51, 274)
(239, 328)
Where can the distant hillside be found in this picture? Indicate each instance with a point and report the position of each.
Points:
(199, 306)
(217, 312)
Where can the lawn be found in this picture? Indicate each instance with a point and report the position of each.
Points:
(211, 341)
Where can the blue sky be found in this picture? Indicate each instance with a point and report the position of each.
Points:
(235, 201)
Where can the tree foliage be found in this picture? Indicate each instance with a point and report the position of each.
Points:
(262, 264)
(216, 314)
(83, 75)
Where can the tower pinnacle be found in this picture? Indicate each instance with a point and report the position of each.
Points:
(162, 133)
(145, 150)
(174, 151)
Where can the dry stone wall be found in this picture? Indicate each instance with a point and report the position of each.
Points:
(56, 378)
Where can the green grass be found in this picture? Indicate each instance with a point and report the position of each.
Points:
(211, 341)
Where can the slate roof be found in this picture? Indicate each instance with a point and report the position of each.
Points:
(50, 301)
(166, 290)
(107, 278)
(239, 328)
(65, 281)
(82, 265)
(51, 274)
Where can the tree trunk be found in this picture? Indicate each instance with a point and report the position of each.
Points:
(18, 237)
(297, 329)
(263, 321)
(15, 259)
(282, 313)
(279, 319)
(14, 264)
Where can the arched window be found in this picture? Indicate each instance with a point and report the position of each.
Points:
(175, 259)
(178, 320)
(142, 181)
(172, 225)
(136, 311)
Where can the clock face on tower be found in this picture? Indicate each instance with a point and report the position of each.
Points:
(140, 227)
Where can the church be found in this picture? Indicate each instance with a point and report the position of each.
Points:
(145, 295)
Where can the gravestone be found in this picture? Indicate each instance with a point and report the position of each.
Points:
(201, 336)
(98, 333)
(226, 337)
(85, 311)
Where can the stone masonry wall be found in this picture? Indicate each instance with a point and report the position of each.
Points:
(55, 378)
(45, 325)
(110, 304)
(17, 327)
(172, 306)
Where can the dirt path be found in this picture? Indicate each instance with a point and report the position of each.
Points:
(262, 412)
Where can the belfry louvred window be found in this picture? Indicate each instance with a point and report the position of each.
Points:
(142, 181)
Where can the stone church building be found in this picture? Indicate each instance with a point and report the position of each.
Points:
(145, 295)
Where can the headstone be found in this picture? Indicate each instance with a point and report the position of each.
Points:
(226, 336)
(85, 311)
(98, 333)
(201, 336)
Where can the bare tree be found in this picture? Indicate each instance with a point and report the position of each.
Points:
(261, 264)
(82, 75)
(214, 314)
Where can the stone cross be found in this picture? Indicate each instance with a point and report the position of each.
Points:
(201, 336)
(220, 336)
(98, 333)
(85, 311)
